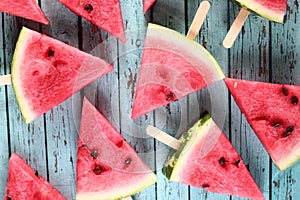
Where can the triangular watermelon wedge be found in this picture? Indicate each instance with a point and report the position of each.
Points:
(173, 66)
(212, 164)
(148, 4)
(24, 183)
(107, 166)
(273, 112)
(269, 9)
(28, 9)
(45, 72)
(105, 14)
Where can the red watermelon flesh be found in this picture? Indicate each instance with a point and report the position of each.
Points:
(219, 170)
(107, 166)
(45, 72)
(173, 66)
(28, 9)
(105, 14)
(24, 183)
(273, 112)
(148, 4)
(273, 10)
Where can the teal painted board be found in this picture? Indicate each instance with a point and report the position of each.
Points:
(4, 148)
(285, 61)
(264, 51)
(171, 118)
(60, 124)
(129, 59)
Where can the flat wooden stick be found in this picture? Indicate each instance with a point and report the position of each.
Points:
(163, 137)
(5, 80)
(235, 28)
(198, 20)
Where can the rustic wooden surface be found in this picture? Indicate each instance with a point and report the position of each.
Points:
(264, 51)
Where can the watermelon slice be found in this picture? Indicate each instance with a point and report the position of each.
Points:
(45, 72)
(105, 14)
(24, 183)
(148, 4)
(28, 9)
(220, 169)
(107, 166)
(173, 66)
(273, 10)
(273, 112)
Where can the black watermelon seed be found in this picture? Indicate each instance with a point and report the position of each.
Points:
(205, 185)
(128, 161)
(94, 154)
(170, 96)
(285, 134)
(50, 53)
(276, 124)
(237, 162)
(98, 170)
(285, 91)
(88, 7)
(8, 198)
(222, 161)
(36, 173)
(294, 100)
(289, 129)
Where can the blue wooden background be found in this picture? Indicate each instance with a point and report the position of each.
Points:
(264, 51)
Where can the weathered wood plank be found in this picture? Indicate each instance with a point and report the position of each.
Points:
(249, 59)
(4, 148)
(129, 60)
(285, 58)
(214, 98)
(173, 117)
(60, 121)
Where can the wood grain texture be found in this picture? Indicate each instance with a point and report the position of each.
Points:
(264, 51)
(249, 59)
(4, 143)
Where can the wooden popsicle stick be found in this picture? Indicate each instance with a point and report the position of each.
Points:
(163, 137)
(5, 80)
(235, 28)
(198, 20)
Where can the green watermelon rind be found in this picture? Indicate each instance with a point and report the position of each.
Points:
(260, 10)
(27, 113)
(174, 164)
(190, 43)
(122, 192)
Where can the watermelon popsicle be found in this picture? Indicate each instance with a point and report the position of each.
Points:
(104, 14)
(28, 9)
(20, 176)
(206, 159)
(107, 166)
(273, 10)
(171, 70)
(45, 72)
(273, 112)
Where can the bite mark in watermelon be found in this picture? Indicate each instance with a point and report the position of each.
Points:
(105, 14)
(148, 4)
(24, 183)
(273, 10)
(273, 112)
(220, 169)
(107, 166)
(45, 72)
(173, 66)
(28, 9)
